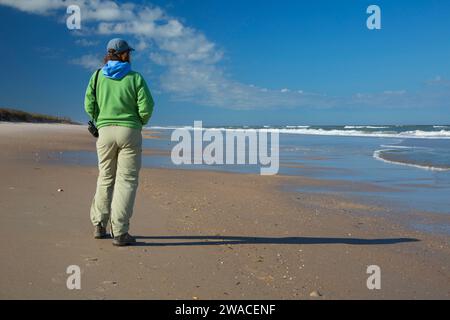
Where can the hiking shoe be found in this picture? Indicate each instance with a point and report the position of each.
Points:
(124, 240)
(100, 232)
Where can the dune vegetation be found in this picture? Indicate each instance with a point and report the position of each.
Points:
(14, 115)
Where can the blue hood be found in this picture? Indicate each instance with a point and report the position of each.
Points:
(116, 69)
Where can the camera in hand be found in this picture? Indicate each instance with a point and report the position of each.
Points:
(93, 129)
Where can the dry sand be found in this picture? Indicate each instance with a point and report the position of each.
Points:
(201, 235)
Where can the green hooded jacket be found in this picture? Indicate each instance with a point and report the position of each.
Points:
(124, 101)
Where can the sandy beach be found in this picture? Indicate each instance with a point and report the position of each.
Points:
(201, 234)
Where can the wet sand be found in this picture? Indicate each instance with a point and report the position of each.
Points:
(201, 234)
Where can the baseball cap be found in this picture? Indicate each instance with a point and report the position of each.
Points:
(119, 45)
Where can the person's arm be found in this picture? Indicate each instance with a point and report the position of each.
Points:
(144, 101)
(90, 105)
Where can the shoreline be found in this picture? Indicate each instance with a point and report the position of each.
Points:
(273, 243)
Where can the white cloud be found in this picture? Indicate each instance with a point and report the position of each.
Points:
(35, 6)
(99, 10)
(86, 43)
(88, 61)
(394, 92)
(438, 81)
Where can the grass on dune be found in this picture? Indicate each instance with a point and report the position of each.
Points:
(14, 115)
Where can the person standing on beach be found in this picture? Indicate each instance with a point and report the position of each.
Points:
(120, 105)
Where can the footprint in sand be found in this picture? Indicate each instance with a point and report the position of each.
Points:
(106, 285)
(62, 244)
(91, 261)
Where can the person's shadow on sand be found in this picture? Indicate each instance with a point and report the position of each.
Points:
(233, 240)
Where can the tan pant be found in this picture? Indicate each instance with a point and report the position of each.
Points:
(119, 152)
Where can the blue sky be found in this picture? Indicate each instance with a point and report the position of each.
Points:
(238, 62)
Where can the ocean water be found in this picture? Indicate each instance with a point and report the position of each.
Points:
(425, 147)
(418, 179)
(421, 153)
(407, 167)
